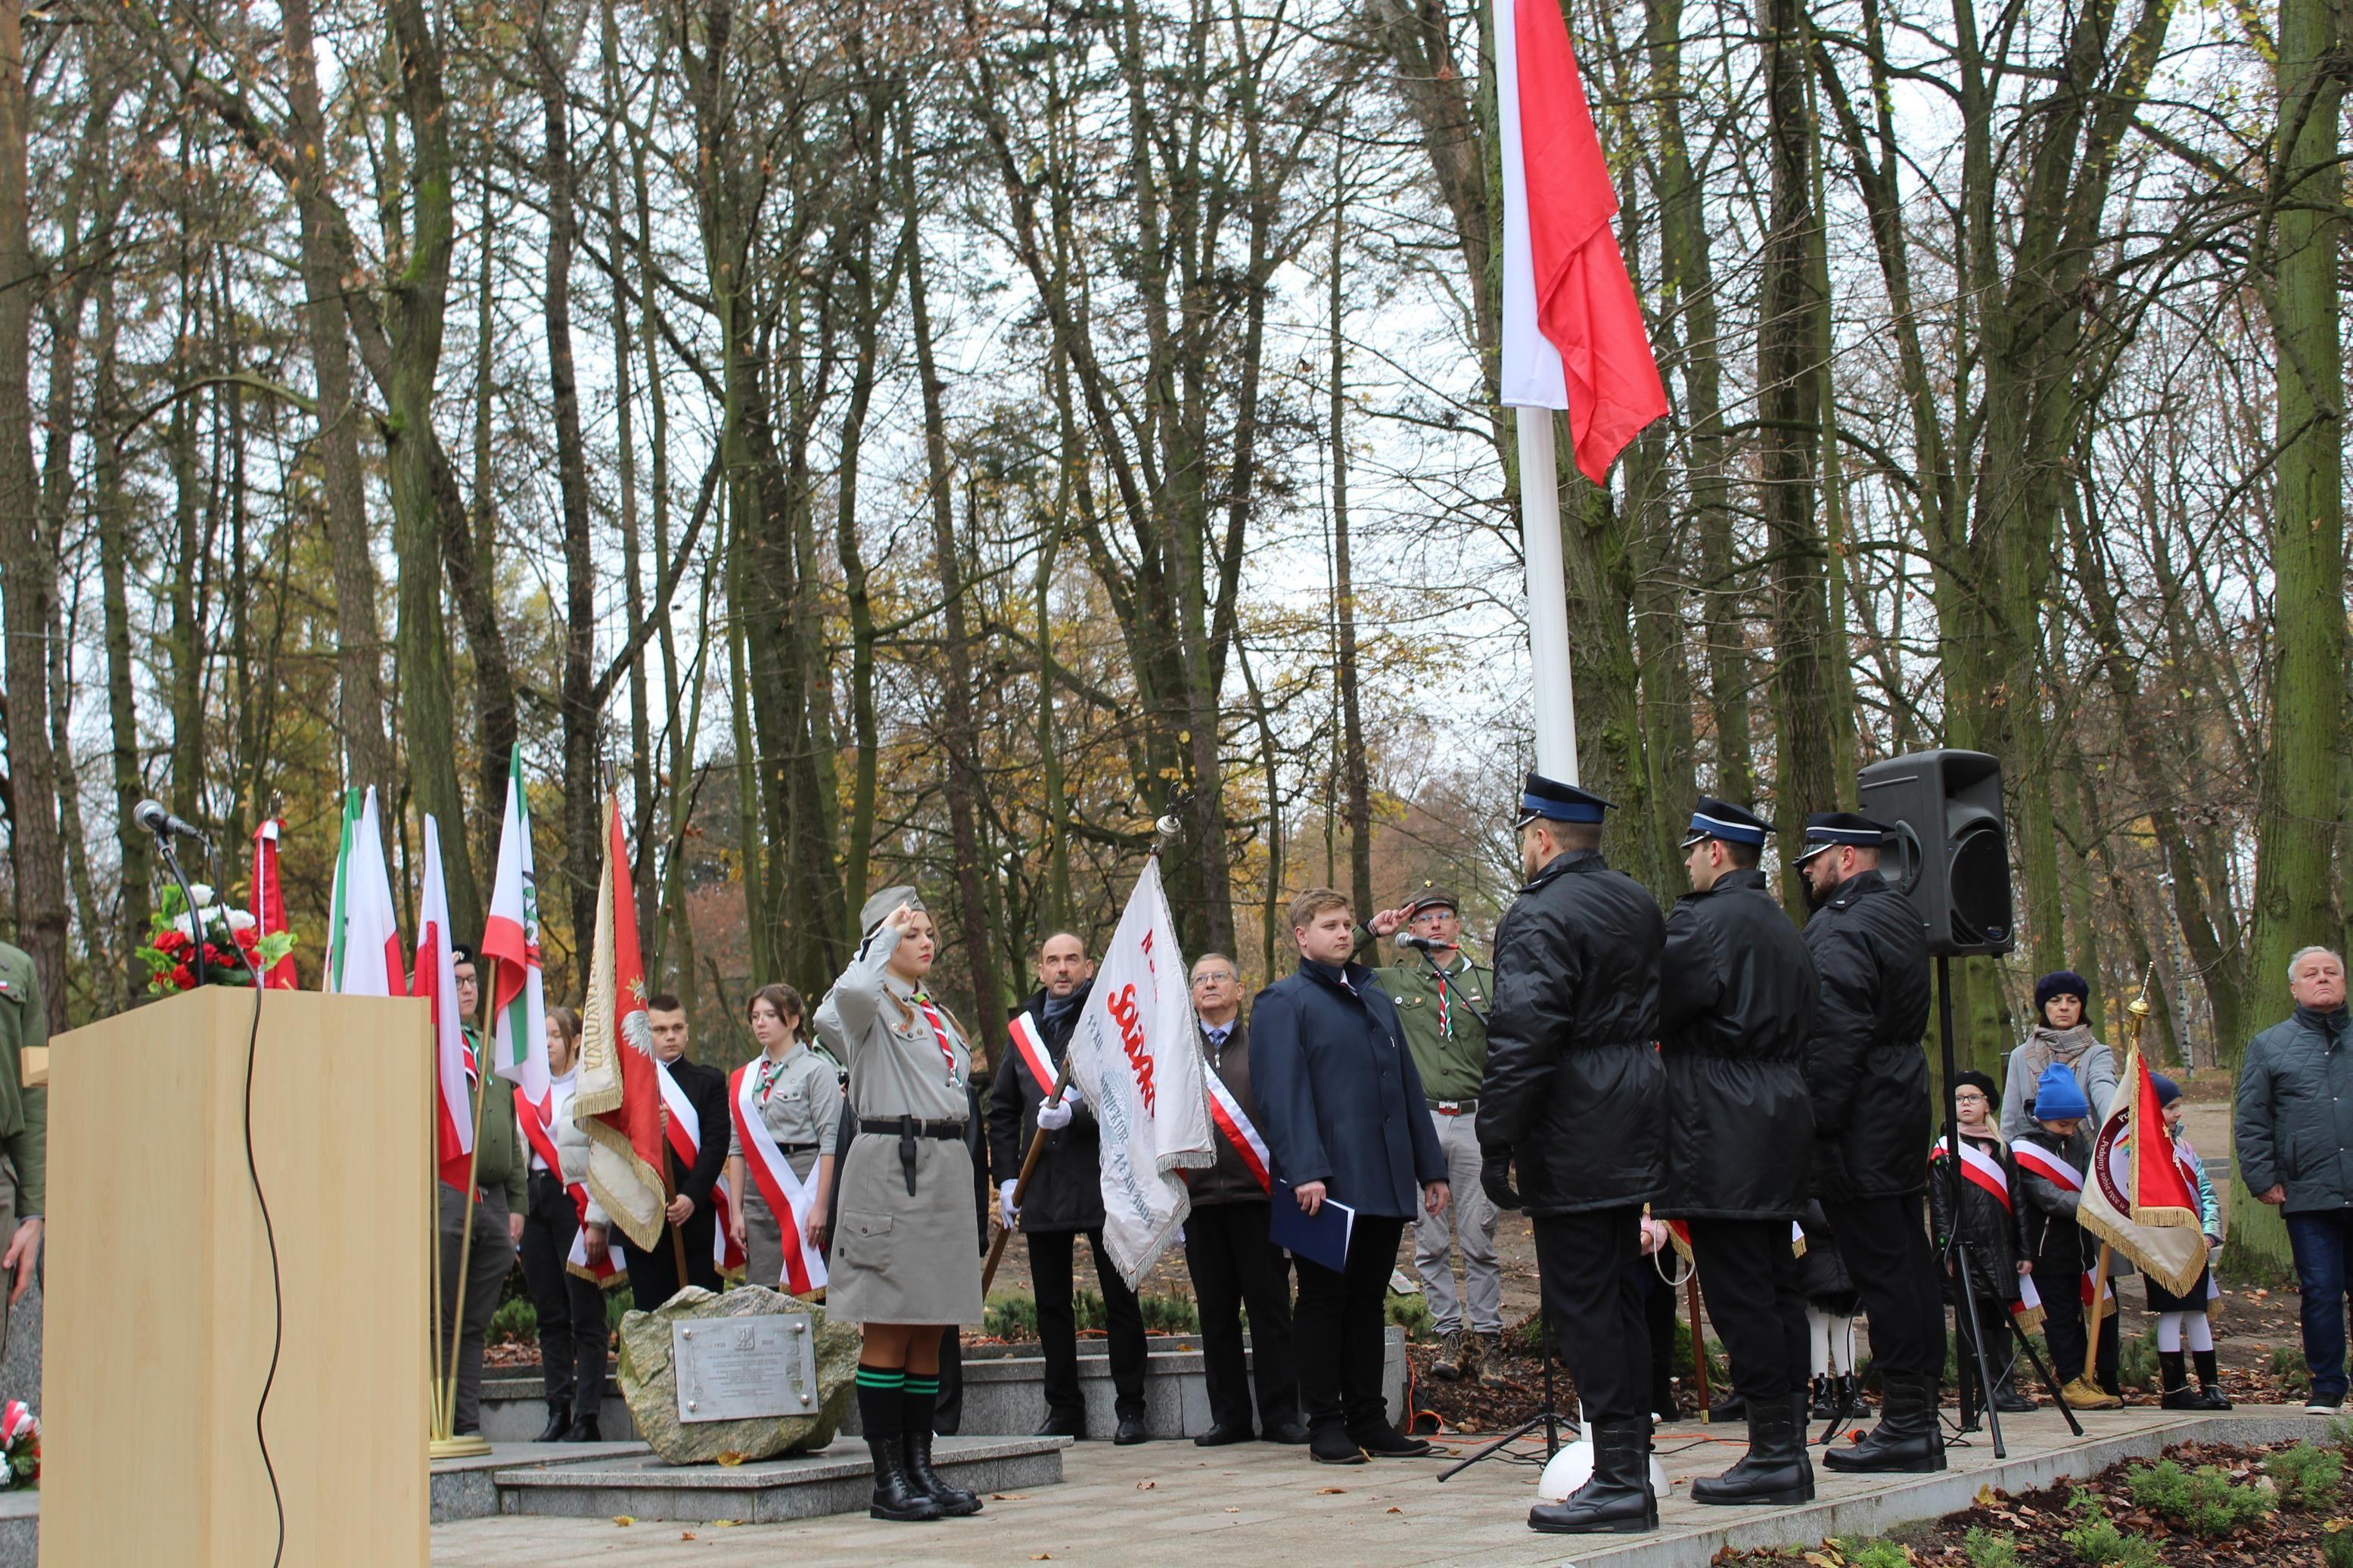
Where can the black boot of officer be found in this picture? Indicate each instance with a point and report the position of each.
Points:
(1907, 1440)
(1617, 1500)
(1775, 1469)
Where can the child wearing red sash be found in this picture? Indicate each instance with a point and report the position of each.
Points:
(2182, 1321)
(1986, 1219)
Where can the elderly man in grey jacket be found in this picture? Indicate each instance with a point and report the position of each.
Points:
(2295, 1143)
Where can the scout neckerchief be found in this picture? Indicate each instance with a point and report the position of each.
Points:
(770, 1068)
(941, 1036)
(791, 1201)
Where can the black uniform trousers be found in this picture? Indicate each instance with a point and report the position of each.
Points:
(1587, 1268)
(1749, 1275)
(653, 1276)
(572, 1332)
(1884, 1244)
(1233, 1264)
(1658, 1319)
(1051, 1255)
(1339, 1327)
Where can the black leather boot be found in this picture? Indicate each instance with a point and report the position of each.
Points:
(1617, 1500)
(1774, 1471)
(2008, 1398)
(1907, 1439)
(584, 1429)
(559, 1422)
(953, 1503)
(896, 1496)
(2173, 1376)
(1825, 1397)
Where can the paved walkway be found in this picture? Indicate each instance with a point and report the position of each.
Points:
(1174, 1503)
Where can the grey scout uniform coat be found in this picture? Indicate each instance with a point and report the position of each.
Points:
(900, 1258)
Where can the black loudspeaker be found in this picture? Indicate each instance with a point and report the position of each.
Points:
(1951, 856)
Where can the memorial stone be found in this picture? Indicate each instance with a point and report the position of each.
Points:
(745, 1375)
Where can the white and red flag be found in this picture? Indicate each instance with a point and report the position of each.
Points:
(617, 1101)
(792, 1200)
(436, 979)
(2135, 1197)
(1135, 1054)
(268, 896)
(1574, 337)
(511, 936)
(363, 932)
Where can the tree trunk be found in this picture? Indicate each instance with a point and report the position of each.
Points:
(1354, 768)
(132, 845)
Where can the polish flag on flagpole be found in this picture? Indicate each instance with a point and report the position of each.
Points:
(1573, 333)
(363, 932)
(436, 978)
(618, 1101)
(268, 896)
(510, 935)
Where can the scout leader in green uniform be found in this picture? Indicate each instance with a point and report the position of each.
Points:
(904, 1265)
(24, 1119)
(1449, 1050)
(503, 1183)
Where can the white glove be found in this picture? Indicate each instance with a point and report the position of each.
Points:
(1006, 1213)
(1053, 1117)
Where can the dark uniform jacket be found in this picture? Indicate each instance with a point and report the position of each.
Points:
(1340, 1099)
(1994, 1235)
(2295, 1114)
(1066, 1188)
(1866, 1070)
(706, 1090)
(1229, 1180)
(1575, 1088)
(1736, 996)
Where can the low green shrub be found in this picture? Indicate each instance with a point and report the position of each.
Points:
(2203, 1501)
(1170, 1314)
(1855, 1551)
(2287, 1364)
(1010, 1315)
(2136, 1363)
(2337, 1548)
(2098, 1543)
(1990, 1549)
(2306, 1476)
(1411, 1313)
(516, 1320)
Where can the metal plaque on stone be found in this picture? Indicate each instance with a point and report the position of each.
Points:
(734, 1369)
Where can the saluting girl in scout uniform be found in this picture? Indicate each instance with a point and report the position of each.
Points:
(794, 1093)
(903, 1265)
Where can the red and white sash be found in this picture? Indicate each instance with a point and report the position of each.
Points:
(686, 1142)
(1032, 1047)
(603, 1272)
(2034, 1157)
(1227, 1113)
(1983, 1171)
(538, 1122)
(789, 1198)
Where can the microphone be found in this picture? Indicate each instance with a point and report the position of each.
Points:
(152, 816)
(1418, 944)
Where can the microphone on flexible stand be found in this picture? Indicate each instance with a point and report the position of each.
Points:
(152, 816)
(1418, 944)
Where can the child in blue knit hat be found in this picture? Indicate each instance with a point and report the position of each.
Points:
(2051, 1155)
(2182, 1321)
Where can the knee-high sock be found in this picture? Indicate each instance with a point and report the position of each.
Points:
(882, 1393)
(922, 1396)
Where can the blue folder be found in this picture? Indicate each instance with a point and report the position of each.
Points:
(1320, 1238)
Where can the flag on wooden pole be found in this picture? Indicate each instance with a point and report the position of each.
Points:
(618, 1099)
(518, 1010)
(363, 930)
(436, 979)
(2136, 1195)
(269, 897)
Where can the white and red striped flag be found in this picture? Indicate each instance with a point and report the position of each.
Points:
(436, 978)
(364, 931)
(1574, 337)
(510, 935)
(618, 1101)
(269, 897)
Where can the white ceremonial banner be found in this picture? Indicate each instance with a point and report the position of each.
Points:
(1135, 1055)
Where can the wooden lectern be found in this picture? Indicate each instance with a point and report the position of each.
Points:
(159, 1303)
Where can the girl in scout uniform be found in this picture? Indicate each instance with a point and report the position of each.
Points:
(795, 1093)
(903, 1265)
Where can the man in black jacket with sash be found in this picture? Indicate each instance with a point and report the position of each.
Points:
(1873, 1123)
(1064, 1201)
(1573, 1092)
(1736, 997)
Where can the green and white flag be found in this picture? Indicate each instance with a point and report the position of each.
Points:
(519, 1006)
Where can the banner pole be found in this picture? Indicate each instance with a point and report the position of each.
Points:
(450, 1444)
(1552, 687)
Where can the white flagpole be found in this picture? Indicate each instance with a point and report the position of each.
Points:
(1554, 698)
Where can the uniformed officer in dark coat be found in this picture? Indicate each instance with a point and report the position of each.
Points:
(1869, 1078)
(1735, 1008)
(1065, 1201)
(1576, 1095)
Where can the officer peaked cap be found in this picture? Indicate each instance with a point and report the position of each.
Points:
(877, 909)
(1829, 829)
(1432, 896)
(1552, 800)
(1714, 818)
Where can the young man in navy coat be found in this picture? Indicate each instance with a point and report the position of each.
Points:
(1341, 1110)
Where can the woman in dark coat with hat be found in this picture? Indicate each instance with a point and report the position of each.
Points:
(2060, 1035)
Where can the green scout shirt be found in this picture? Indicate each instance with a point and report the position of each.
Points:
(1452, 1065)
(23, 1112)
(500, 1163)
